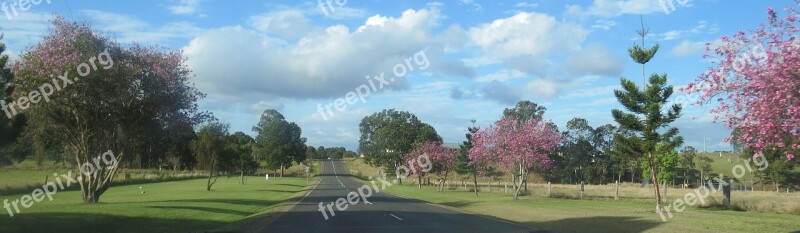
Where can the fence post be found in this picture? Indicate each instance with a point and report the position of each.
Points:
(726, 191)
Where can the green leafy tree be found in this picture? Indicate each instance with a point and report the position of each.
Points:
(704, 166)
(687, 165)
(240, 145)
(388, 135)
(667, 163)
(212, 152)
(645, 118)
(311, 152)
(279, 142)
(525, 110)
(321, 152)
(777, 169)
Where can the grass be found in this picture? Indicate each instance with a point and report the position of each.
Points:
(178, 206)
(599, 212)
(566, 215)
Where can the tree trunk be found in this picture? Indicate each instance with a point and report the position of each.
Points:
(241, 177)
(702, 178)
(519, 188)
(210, 175)
(444, 181)
(654, 177)
(281, 170)
(419, 177)
(524, 177)
(513, 180)
(475, 181)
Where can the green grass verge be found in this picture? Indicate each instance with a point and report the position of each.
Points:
(565, 215)
(178, 206)
(572, 215)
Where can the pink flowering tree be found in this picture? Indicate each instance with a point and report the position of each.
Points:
(89, 95)
(755, 83)
(512, 145)
(432, 157)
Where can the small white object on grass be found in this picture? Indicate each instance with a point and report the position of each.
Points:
(143, 192)
(140, 187)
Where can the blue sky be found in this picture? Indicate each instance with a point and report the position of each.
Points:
(481, 56)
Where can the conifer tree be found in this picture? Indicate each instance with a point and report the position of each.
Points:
(644, 116)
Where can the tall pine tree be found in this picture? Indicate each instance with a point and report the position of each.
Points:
(463, 165)
(10, 126)
(645, 118)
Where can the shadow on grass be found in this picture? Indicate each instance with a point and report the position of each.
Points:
(252, 202)
(596, 224)
(292, 185)
(90, 223)
(458, 204)
(277, 191)
(206, 209)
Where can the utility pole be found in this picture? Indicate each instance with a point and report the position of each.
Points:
(704, 144)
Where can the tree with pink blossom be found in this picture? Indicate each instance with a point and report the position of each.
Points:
(101, 97)
(755, 81)
(515, 145)
(431, 157)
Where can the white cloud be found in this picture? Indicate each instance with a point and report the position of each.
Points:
(702, 27)
(526, 5)
(128, 29)
(594, 59)
(287, 24)
(24, 30)
(501, 92)
(475, 6)
(525, 36)
(604, 24)
(688, 48)
(232, 62)
(592, 92)
(185, 7)
(544, 88)
(614, 8)
(501, 75)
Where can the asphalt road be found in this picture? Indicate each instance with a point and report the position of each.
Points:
(386, 213)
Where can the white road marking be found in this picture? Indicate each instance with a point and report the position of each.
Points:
(312, 189)
(337, 176)
(395, 216)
